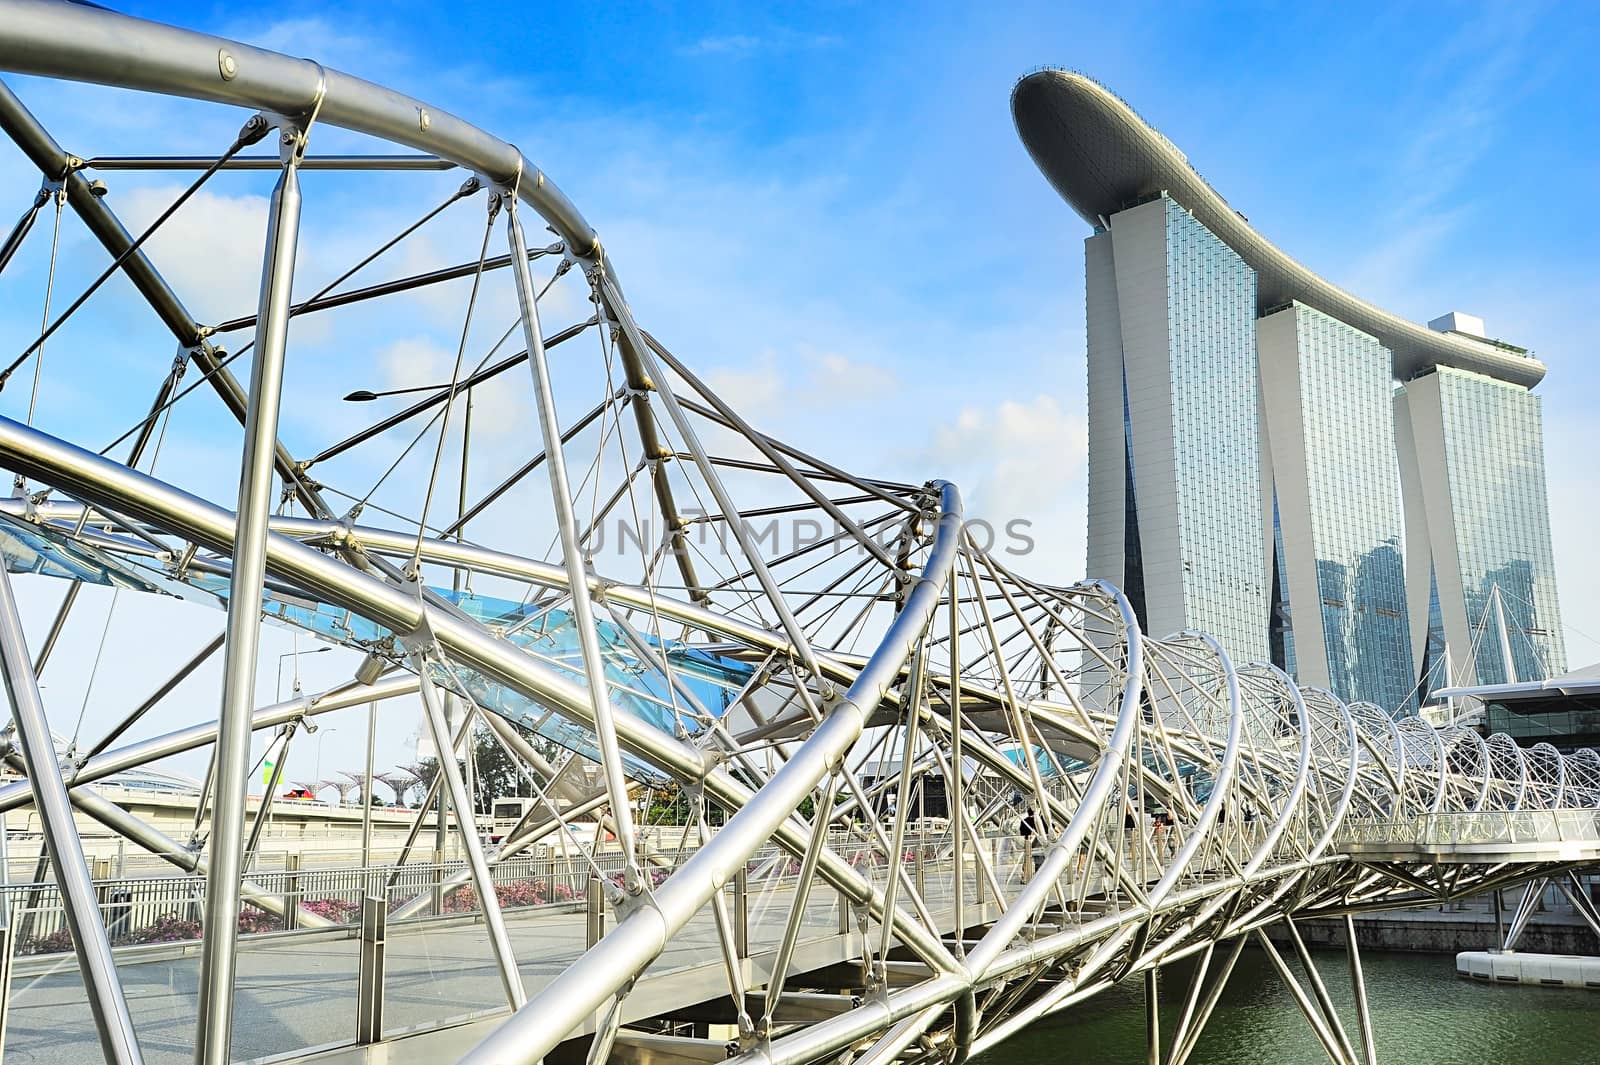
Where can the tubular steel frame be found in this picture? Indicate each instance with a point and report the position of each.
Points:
(850, 675)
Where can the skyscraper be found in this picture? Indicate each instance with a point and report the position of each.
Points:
(1255, 471)
(1478, 543)
(1175, 485)
(1327, 398)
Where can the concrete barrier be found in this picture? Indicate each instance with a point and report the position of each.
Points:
(1542, 970)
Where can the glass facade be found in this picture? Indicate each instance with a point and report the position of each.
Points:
(1567, 721)
(1353, 495)
(1494, 461)
(1132, 552)
(1281, 631)
(1315, 579)
(1436, 665)
(1211, 311)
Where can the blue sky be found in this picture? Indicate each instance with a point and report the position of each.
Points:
(825, 209)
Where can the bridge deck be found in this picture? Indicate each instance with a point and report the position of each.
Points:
(297, 991)
(1481, 837)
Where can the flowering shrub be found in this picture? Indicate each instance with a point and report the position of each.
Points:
(562, 893)
(521, 893)
(166, 929)
(517, 893)
(54, 943)
(657, 877)
(339, 911)
(253, 921)
(170, 928)
(462, 900)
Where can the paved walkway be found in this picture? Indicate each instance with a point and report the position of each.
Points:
(296, 992)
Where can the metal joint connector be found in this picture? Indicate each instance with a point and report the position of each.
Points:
(255, 127)
(632, 896)
(291, 145)
(180, 567)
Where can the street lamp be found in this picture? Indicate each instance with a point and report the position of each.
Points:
(322, 734)
(278, 688)
(362, 395)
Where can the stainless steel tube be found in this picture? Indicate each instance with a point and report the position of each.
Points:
(100, 480)
(82, 43)
(106, 1001)
(461, 801)
(585, 985)
(215, 1008)
(572, 553)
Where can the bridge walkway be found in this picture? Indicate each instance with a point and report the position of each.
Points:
(297, 991)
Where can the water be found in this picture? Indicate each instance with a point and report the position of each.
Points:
(1422, 1014)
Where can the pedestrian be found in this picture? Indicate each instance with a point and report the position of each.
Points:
(1027, 828)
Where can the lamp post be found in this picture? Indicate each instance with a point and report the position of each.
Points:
(278, 687)
(362, 395)
(322, 734)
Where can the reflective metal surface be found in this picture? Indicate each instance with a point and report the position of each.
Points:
(918, 801)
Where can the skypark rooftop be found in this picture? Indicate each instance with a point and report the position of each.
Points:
(1102, 158)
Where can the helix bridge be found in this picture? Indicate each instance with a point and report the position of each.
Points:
(960, 799)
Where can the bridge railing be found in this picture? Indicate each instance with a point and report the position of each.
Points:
(168, 909)
(1475, 829)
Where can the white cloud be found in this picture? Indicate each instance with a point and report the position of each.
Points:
(412, 363)
(498, 408)
(210, 251)
(1025, 451)
(744, 44)
(799, 386)
(344, 45)
(1407, 251)
(837, 378)
(1020, 460)
(733, 43)
(754, 390)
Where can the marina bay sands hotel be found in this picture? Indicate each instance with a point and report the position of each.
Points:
(1319, 483)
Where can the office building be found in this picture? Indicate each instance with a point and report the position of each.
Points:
(1478, 541)
(1175, 480)
(1339, 599)
(1351, 495)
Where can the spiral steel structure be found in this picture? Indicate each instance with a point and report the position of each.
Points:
(1010, 796)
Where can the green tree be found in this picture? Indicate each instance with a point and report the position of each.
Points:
(494, 771)
(670, 805)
